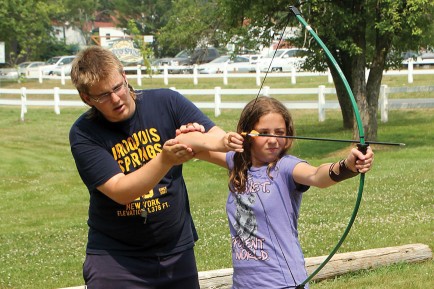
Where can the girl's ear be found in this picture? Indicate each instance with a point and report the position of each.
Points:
(288, 143)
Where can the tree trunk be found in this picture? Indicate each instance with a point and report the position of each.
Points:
(382, 46)
(357, 70)
(353, 66)
(343, 99)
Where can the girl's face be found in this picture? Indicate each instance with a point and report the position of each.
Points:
(268, 149)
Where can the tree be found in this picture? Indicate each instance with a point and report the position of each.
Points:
(26, 27)
(139, 42)
(359, 33)
(79, 14)
(192, 23)
(148, 16)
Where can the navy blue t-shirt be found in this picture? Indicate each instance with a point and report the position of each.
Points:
(102, 149)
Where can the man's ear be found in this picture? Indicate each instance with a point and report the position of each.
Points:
(85, 98)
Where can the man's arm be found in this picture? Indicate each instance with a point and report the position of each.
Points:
(124, 189)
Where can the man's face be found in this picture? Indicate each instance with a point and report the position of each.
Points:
(111, 97)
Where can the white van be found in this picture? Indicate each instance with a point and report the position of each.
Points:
(284, 60)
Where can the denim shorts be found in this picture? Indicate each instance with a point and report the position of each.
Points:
(176, 271)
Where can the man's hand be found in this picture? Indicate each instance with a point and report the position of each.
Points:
(176, 153)
(189, 127)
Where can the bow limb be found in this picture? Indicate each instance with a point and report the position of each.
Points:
(362, 145)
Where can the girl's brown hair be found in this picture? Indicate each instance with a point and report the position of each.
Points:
(250, 115)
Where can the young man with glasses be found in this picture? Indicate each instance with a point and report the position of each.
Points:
(141, 233)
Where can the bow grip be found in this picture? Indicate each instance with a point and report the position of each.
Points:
(362, 147)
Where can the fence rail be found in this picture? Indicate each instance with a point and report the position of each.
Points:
(321, 104)
(139, 72)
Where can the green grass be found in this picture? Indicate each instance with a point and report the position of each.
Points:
(44, 203)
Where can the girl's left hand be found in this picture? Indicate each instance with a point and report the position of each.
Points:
(358, 162)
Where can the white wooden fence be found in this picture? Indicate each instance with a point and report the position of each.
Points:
(135, 72)
(321, 104)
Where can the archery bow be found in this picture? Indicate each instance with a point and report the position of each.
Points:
(361, 145)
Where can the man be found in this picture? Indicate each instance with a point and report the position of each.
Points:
(141, 233)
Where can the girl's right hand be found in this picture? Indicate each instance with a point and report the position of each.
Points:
(233, 142)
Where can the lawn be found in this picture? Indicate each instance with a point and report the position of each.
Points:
(44, 203)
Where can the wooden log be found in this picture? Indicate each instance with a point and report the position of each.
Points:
(216, 279)
(340, 264)
(368, 259)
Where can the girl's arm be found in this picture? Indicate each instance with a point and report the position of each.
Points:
(213, 145)
(329, 174)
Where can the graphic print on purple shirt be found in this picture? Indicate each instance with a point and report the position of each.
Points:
(263, 226)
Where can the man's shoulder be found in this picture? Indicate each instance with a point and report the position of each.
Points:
(156, 92)
(161, 95)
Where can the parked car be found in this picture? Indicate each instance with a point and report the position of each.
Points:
(54, 64)
(8, 73)
(23, 69)
(418, 59)
(66, 68)
(183, 61)
(32, 68)
(427, 55)
(231, 64)
(254, 58)
(283, 60)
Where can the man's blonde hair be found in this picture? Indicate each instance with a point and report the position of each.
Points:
(92, 65)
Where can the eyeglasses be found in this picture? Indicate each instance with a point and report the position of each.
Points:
(101, 98)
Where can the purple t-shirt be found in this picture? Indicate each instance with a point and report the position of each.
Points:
(266, 252)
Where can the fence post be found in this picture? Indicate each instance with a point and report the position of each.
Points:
(410, 70)
(62, 75)
(321, 103)
(217, 101)
(293, 80)
(329, 76)
(195, 74)
(166, 74)
(139, 75)
(225, 74)
(19, 74)
(40, 74)
(384, 103)
(266, 91)
(23, 103)
(56, 100)
(258, 75)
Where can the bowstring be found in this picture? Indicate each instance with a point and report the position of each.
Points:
(285, 21)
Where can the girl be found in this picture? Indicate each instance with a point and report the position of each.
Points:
(266, 187)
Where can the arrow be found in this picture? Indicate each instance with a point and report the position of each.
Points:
(254, 133)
